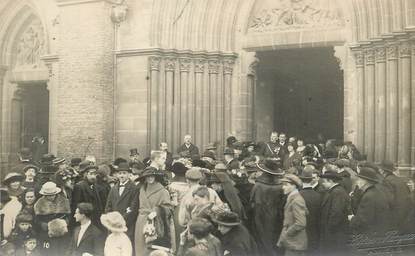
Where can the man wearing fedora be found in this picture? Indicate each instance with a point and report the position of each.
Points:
(86, 238)
(293, 236)
(267, 202)
(312, 200)
(123, 197)
(400, 194)
(188, 149)
(88, 191)
(235, 237)
(373, 213)
(335, 208)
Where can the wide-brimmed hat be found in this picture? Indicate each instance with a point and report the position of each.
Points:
(150, 171)
(179, 168)
(90, 168)
(209, 154)
(30, 166)
(387, 165)
(123, 167)
(75, 161)
(49, 188)
(114, 222)
(47, 160)
(24, 217)
(307, 174)
(12, 177)
(58, 160)
(368, 174)
(194, 174)
(331, 175)
(220, 167)
(227, 218)
(211, 146)
(293, 179)
(271, 166)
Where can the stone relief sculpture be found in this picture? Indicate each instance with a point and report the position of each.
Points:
(295, 14)
(30, 46)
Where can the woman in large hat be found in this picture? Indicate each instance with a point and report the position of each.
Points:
(52, 205)
(152, 196)
(117, 243)
(13, 182)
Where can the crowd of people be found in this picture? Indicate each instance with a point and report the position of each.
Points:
(286, 196)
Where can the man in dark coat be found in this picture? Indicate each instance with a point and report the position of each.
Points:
(312, 200)
(86, 238)
(373, 214)
(88, 191)
(188, 150)
(123, 197)
(401, 196)
(334, 216)
(267, 201)
(169, 156)
(235, 238)
(271, 148)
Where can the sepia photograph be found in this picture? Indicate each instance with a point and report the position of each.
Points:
(207, 127)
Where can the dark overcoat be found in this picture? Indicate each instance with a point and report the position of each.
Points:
(84, 192)
(126, 204)
(402, 202)
(238, 242)
(92, 242)
(191, 152)
(373, 213)
(312, 200)
(267, 201)
(334, 221)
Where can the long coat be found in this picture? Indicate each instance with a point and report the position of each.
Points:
(293, 235)
(238, 242)
(150, 197)
(373, 213)
(334, 221)
(92, 242)
(191, 152)
(267, 201)
(401, 199)
(312, 200)
(84, 192)
(126, 204)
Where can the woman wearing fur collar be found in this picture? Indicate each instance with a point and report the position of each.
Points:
(52, 205)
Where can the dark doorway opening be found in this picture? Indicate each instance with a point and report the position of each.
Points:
(35, 118)
(300, 92)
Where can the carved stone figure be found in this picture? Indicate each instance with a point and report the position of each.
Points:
(30, 46)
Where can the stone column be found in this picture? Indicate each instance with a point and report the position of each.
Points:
(370, 104)
(227, 100)
(392, 119)
(213, 100)
(3, 70)
(404, 152)
(412, 103)
(185, 96)
(250, 100)
(86, 83)
(380, 108)
(199, 70)
(154, 111)
(360, 108)
(52, 85)
(169, 85)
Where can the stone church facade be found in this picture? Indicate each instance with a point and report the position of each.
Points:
(98, 77)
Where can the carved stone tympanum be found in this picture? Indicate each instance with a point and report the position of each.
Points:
(30, 46)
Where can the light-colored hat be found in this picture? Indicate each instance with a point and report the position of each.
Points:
(12, 177)
(114, 222)
(49, 188)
